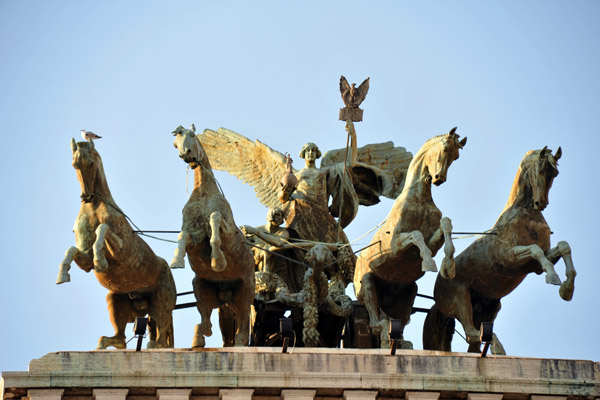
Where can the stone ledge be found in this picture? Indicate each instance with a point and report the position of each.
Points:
(307, 368)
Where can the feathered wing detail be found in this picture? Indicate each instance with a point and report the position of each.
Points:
(381, 168)
(362, 91)
(254, 163)
(343, 85)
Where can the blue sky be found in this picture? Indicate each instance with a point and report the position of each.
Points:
(513, 76)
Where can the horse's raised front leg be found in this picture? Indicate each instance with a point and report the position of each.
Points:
(178, 260)
(444, 232)
(100, 262)
(217, 262)
(404, 240)
(525, 253)
(83, 260)
(563, 250)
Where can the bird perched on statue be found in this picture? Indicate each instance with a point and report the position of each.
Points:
(89, 136)
(351, 95)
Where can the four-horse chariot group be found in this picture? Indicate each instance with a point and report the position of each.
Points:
(255, 275)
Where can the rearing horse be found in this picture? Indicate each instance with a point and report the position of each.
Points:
(385, 274)
(139, 282)
(223, 264)
(494, 265)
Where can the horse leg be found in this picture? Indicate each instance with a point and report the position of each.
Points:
(121, 312)
(367, 295)
(487, 311)
(206, 301)
(83, 261)
(463, 309)
(100, 262)
(227, 325)
(404, 240)
(525, 253)
(563, 250)
(182, 240)
(241, 306)
(162, 304)
(402, 309)
(217, 262)
(444, 232)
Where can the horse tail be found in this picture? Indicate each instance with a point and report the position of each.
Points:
(438, 330)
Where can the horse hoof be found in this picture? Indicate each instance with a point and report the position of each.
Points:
(177, 263)
(428, 266)
(552, 279)
(63, 277)
(375, 329)
(198, 342)
(218, 264)
(566, 291)
(102, 345)
(448, 270)
(152, 345)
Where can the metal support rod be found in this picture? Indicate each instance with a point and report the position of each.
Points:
(139, 343)
(485, 349)
(286, 341)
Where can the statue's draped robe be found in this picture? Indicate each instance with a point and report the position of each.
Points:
(308, 213)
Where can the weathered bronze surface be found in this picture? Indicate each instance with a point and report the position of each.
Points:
(385, 275)
(216, 250)
(139, 282)
(494, 265)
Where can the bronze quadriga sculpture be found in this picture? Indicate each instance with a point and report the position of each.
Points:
(139, 282)
(216, 249)
(403, 248)
(494, 265)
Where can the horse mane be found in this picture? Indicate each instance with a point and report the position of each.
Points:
(425, 148)
(529, 159)
(431, 141)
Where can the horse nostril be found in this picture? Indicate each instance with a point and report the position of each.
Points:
(188, 151)
(437, 177)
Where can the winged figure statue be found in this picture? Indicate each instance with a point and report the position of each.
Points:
(372, 171)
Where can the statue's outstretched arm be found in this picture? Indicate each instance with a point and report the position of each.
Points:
(353, 146)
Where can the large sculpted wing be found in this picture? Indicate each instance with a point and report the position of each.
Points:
(254, 163)
(387, 163)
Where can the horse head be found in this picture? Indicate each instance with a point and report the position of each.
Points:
(90, 173)
(190, 149)
(442, 152)
(541, 167)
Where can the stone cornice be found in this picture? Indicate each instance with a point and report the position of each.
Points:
(342, 369)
